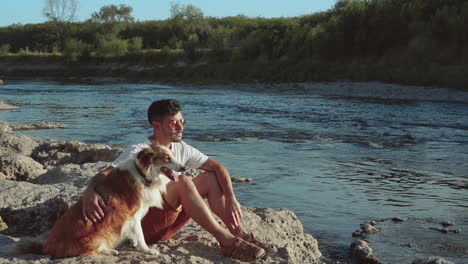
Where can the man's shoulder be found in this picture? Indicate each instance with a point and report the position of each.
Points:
(139, 146)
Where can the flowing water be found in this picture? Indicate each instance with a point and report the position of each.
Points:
(335, 161)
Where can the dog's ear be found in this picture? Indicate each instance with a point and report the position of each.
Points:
(145, 156)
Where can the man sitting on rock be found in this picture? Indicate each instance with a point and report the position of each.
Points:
(184, 198)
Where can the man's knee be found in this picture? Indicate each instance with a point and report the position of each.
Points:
(186, 182)
(208, 182)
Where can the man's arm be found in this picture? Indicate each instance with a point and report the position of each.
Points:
(92, 203)
(233, 209)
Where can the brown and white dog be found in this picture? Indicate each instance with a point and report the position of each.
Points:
(128, 193)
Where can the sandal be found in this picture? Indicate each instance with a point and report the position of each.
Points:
(243, 251)
(252, 239)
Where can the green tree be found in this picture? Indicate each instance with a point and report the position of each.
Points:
(112, 19)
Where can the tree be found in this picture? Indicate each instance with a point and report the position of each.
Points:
(113, 14)
(60, 13)
(113, 19)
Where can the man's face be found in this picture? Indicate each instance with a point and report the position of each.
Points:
(171, 127)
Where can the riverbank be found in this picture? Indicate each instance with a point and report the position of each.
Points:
(202, 72)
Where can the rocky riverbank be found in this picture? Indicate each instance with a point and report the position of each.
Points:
(40, 179)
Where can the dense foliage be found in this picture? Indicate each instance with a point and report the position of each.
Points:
(367, 36)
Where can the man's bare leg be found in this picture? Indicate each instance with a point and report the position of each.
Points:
(185, 193)
(208, 187)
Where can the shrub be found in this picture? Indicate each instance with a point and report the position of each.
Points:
(24, 52)
(113, 47)
(74, 49)
(5, 49)
(135, 44)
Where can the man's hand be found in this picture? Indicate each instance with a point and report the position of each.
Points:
(233, 213)
(92, 207)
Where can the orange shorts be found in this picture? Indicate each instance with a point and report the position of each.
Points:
(162, 224)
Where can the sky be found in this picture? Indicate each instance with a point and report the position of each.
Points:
(30, 11)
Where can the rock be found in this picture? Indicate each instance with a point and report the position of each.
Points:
(431, 260)
(58, 152)
(358, 233)
(409, 245)
(19, 167)
(192, 172)
(399, 219)
(2, 82)
(447, 223)
(442, 230)
(367, 227)
(3, 225)
(40, 125)
(17, 143)
(30, 209)
(5, 128)
(5, 106)
(362, 253)
(241, 179)
(75, 174)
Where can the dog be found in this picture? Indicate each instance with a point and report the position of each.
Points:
(128, 192)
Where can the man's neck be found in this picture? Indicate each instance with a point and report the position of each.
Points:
(155, 139)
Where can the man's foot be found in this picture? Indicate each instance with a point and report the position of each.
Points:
(243, 250)
(252, 239)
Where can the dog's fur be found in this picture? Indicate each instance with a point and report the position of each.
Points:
(128, 193)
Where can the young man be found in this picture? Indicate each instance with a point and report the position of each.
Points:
(184, 198)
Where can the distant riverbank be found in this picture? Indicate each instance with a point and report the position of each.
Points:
(279, 72)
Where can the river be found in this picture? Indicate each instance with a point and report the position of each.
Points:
(336, 161)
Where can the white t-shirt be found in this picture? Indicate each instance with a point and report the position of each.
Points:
(183, 152)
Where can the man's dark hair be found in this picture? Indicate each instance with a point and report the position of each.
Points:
(159, 109)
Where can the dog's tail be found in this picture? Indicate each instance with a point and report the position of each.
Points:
(29, 246)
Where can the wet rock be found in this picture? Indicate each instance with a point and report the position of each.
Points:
(442, 230)
(399, 219)
(362, 253)
(368, 227)
(409, 245)
(19, 167)
(455, 231)
(447, 223)
(431, 260)
(17, 143)
(241, 179)
(5, 106)
(357, 233)
(36, 126)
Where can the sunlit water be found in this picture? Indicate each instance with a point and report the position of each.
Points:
(334, 161)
